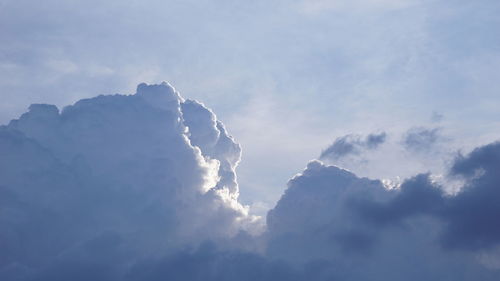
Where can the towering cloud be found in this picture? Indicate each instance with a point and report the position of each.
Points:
(115, 177)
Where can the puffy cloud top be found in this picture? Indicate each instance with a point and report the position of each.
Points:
(119, 177)
(364, 231)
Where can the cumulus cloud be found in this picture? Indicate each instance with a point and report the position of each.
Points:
(115, 177)
(144, 187)
(365, 229)
(312, 215)
(469, 217)
(352, 145)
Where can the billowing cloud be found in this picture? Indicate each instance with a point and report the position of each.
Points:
(469, 217)
(141, 175)
(313, 215)
(352, 145)
(369, 232)
(472, 215)
(144, 187)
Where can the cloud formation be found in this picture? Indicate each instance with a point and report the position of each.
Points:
(473, 214)
(352, 145)
(144, 187)
(142, 175)
(364, 229)
(421, 139)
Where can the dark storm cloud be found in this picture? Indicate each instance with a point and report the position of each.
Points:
(352, 144)
(473, 214)
(417, 196)
(469, 218)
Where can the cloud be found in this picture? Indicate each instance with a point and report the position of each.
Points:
(210, 263)
(472, 215)
(416, 196)
(352, 145)
(364, 228)
(421, 139)
(359, 64)
(374, 140)
(468, 218)
(313, 215)
(206, 262)
(144, 187)
(143, 174)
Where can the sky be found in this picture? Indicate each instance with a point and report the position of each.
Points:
(303, 72)
(381, 96)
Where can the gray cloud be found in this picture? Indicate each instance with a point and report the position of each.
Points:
(472, 215)
(374, 140)
(469, 218)
(352, 145)
(143, 187)
(112, 179)
(421, 139)
(363, 228)
(313, 215)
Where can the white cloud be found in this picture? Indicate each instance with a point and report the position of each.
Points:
(139, 168)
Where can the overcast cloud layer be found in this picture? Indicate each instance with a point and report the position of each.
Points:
(144, 187)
